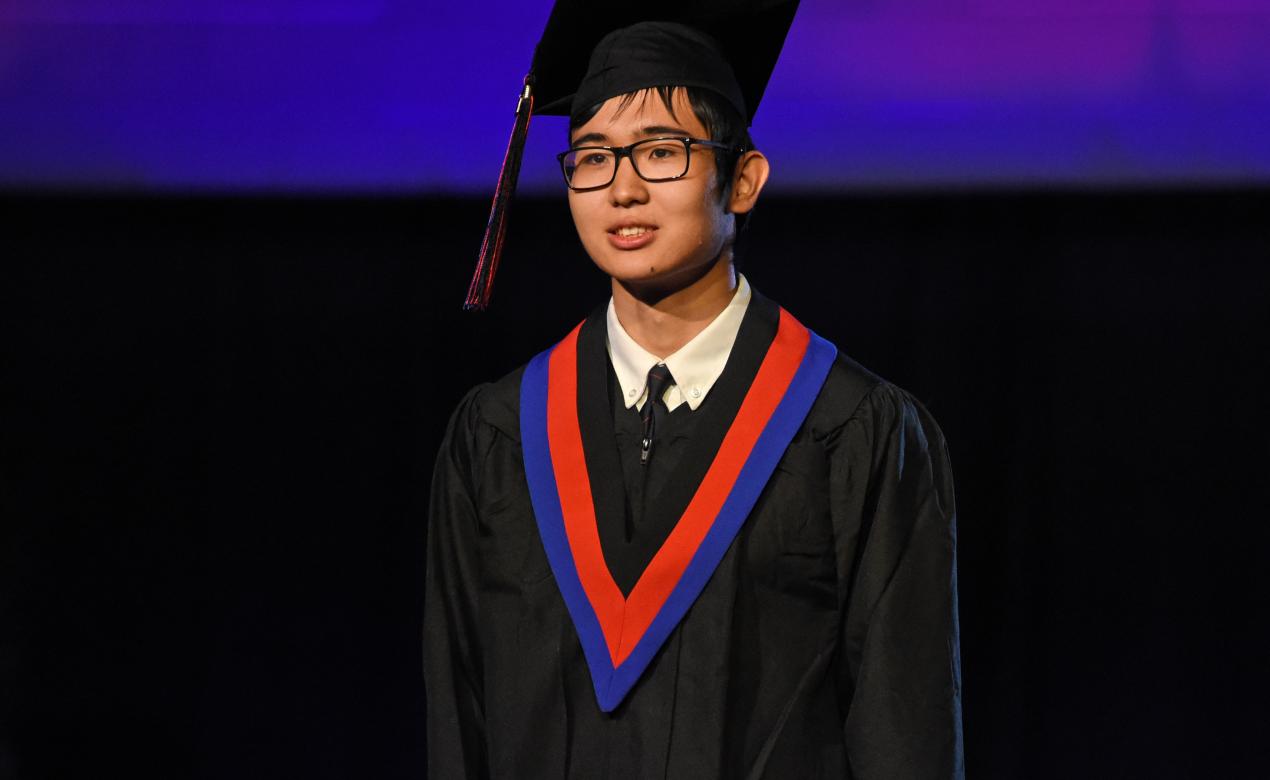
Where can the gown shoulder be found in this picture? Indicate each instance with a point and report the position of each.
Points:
(491, 405)
(853, 397)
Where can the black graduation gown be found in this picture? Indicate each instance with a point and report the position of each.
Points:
(825, 644)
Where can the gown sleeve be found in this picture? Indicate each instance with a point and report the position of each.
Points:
(451, 638)
(899, 674)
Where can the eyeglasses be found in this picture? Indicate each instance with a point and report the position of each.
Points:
(654, 159)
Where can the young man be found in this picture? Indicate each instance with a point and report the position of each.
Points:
(691, 540)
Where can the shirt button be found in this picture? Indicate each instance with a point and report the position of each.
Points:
(631, 393)
(696, 392)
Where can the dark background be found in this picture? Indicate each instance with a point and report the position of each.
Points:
(220, 414)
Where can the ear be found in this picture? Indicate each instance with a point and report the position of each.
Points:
(747, 181)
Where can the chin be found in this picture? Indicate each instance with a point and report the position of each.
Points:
(636, 267)
(661, 279)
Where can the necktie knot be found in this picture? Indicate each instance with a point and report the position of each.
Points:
(659, 379)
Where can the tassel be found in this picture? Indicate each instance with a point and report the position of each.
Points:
(478, 293)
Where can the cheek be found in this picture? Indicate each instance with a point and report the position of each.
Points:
(694, 214)
(707, 222)
(584, 216)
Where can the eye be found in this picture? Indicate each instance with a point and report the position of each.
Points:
(595, 158)
(665, 151)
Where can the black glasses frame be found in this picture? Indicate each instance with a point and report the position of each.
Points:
(626, 151)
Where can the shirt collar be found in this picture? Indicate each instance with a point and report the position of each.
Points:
(696, 366)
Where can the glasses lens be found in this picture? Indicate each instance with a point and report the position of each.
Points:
(588, 168)
(661, 159)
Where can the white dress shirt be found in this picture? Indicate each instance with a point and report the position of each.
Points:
(695, 366)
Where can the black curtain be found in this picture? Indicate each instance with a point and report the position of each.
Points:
(220, 414)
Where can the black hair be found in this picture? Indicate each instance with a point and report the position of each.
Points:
(723, 123)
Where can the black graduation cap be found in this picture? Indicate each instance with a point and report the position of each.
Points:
(592, 50)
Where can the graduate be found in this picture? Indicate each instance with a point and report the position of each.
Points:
(691, 539)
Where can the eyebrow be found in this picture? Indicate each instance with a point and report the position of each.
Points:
(646, 132)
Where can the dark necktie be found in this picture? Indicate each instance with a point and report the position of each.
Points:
(659, 379)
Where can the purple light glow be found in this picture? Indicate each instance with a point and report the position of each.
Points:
(343, 95)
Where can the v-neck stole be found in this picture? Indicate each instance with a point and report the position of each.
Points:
(620, 634)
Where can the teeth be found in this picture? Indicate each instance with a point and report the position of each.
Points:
(632, 231)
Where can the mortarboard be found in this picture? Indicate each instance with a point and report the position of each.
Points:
(591, 51)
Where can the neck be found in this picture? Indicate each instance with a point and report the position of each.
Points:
(662, 321)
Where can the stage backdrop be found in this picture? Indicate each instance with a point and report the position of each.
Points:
(228, 360)
(418, 96)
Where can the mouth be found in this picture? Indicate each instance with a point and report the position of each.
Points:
(627, 231)
(631, 236)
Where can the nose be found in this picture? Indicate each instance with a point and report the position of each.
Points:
(627, 187)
